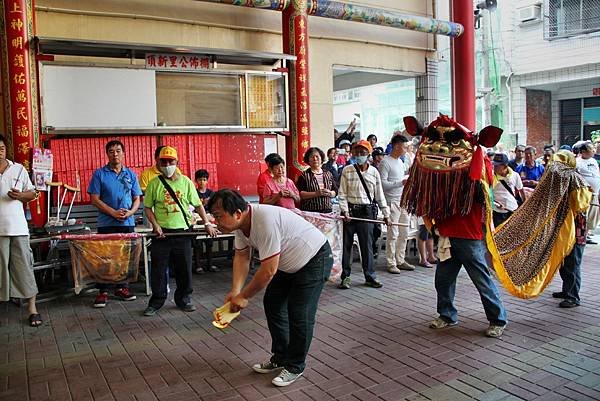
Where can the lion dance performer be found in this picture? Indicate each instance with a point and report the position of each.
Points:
(449, 186)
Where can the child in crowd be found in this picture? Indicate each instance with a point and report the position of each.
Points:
(201, 178)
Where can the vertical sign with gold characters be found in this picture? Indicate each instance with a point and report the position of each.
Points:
(296, 21)
(19, 78)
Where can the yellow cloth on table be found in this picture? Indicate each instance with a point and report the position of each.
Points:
(223, 316)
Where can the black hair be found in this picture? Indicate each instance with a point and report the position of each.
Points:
(114, 142)
(202, 173)
(372, 136)
(329, 150)
(157, 151)
(271, 156)
(3, 139)
(274, 159)
(398, 139)
(310, 151)
(231, 201)
(531, 148)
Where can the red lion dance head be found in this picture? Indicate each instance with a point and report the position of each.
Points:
(449, 165)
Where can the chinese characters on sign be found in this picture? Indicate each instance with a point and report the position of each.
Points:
(301, 83)
(17, 41)
(177, 62)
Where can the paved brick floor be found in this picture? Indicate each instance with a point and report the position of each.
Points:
(370, 345)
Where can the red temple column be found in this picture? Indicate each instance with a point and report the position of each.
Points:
(295, 42)
(463, 65)
(20, 84)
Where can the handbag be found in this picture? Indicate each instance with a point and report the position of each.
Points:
(176, 199)
(371, 210)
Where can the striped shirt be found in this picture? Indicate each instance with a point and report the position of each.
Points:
(352, 190)
(308, 182)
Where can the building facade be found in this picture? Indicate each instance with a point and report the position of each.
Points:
(551, 69)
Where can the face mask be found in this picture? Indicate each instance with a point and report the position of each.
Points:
(341, 151)
(362, 159)
(168, 170)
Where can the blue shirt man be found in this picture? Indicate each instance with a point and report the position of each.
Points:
(115, 191)
(531, 171)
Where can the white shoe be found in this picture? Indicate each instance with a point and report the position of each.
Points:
(285, 378)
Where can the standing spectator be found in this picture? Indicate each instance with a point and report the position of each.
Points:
(347, 135)
(595, 135)
(280, 190)
(344, 153)
(393, 176)
(519, 157)
(166, 204)
(588, 168)
(507, 187)
(372, 139)
(547, 156)
(531, 171)
(377, 156)
(115, 191)
(16, 260)
(360, 200)
(425, 244)
(332, 166)
(151, 172)
(316, 185)
(201, 178)
(265, 176)
(296, 261)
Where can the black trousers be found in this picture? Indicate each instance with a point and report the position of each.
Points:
(290, 302)
(176, 253)
(364, 232)
(102, 287)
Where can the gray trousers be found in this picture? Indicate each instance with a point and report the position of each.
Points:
(16, 268)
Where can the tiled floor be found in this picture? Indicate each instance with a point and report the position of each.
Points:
(370, 344)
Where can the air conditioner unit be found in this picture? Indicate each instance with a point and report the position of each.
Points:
(530, 13)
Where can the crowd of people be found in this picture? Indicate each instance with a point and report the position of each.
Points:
(357, 178)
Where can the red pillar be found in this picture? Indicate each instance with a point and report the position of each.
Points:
(463, 65)
(295, 41)
(20, 85)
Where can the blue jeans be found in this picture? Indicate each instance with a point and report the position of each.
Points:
(470, 254)
(570, 272)
(291, 301)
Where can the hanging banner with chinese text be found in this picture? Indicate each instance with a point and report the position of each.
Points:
(177, 62)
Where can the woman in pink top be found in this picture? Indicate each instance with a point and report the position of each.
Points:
(280, 190)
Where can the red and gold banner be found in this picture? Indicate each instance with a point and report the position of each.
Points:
(18, 70)
(295, 33)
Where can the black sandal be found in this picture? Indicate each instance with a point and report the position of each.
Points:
(35, 320)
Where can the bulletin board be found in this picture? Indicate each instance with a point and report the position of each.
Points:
(97, 97)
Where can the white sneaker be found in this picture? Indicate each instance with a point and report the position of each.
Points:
(285, 378)
(265, 367)
(439, 323)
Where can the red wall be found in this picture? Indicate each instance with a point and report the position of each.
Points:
(539, 119)
(232, 160)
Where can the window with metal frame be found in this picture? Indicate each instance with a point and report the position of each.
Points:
(565, 18)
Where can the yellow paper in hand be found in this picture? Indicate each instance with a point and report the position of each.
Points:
(223, 316)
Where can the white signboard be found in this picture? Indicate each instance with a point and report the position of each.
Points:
(177, 62)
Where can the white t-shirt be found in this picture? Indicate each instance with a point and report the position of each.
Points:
(278, 231)
(12, 215)
(503, 197)
(392, 172)
(588, 168)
